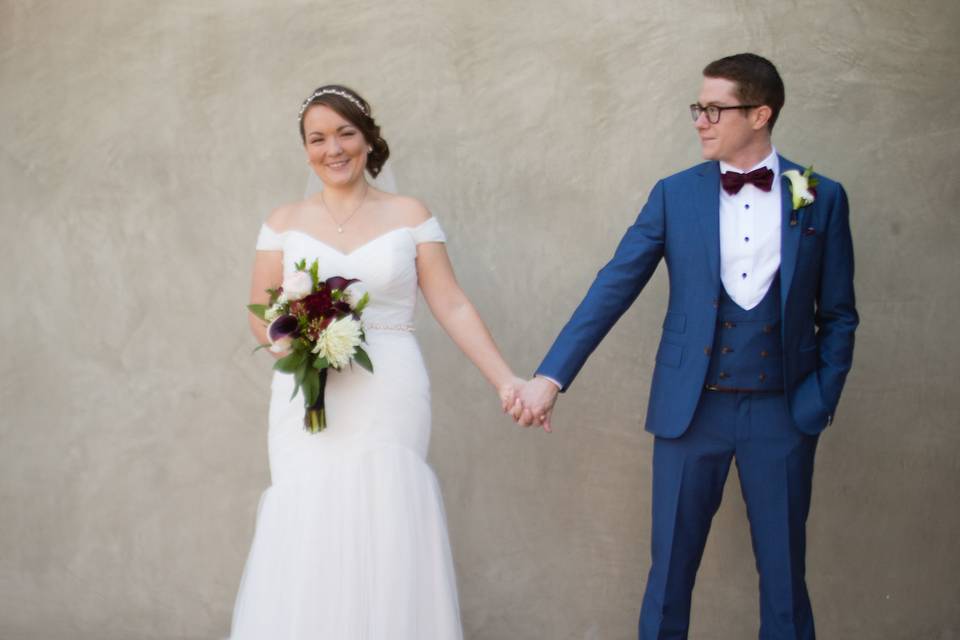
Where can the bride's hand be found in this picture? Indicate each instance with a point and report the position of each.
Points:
(509, 393)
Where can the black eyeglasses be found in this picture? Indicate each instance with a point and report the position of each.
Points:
(713, 111)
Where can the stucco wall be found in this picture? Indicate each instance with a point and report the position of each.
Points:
(144, 142)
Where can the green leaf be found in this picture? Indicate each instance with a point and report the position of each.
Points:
(362, 359)
(258, 347)
(311, 387)
(362, 304)
(300, 373)
(315, 273)
(321, 363)
(259, 310)
(290, 363)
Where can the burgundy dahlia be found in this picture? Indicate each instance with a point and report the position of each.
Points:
(319, 304)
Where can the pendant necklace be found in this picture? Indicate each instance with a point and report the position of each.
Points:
(352, 213)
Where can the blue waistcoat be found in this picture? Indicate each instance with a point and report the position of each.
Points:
(746, 353)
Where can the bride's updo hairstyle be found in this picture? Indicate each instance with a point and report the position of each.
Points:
(355, 110)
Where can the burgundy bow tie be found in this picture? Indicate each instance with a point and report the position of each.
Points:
(733, 181)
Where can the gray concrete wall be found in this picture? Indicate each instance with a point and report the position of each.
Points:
(143, 143)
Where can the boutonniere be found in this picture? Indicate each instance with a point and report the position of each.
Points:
(803, 190)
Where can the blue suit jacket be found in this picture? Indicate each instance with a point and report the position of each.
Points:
(681, 224)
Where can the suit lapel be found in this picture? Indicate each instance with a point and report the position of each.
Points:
(707, 207)
(789, 235)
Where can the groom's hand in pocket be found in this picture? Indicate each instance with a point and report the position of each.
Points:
(537, 398)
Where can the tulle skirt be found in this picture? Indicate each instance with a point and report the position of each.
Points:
(351, 540)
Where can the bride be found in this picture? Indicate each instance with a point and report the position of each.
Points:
(351, 540)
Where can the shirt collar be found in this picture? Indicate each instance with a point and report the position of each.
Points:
(772, 161)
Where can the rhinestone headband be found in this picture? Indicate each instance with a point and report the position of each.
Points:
(337, 92)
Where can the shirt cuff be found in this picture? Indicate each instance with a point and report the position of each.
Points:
(548, 378)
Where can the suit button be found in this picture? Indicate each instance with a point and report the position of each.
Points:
(764, 354)
(763, 377)
(728, 325)
(706, 351)
(724, 375)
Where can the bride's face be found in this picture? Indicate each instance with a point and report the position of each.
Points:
(335, 146)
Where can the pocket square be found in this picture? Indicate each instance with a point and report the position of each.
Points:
(809, 231)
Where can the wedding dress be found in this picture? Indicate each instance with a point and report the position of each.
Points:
(351, 540)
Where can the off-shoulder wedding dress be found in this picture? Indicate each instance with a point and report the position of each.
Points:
(351, 540)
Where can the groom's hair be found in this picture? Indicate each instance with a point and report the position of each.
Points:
(758, 81)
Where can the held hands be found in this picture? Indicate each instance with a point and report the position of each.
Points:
(531, 403)
(509, 392)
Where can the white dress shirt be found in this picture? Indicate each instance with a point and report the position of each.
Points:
(750, 236)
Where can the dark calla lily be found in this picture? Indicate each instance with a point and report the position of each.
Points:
(338, 282)
(281, 333)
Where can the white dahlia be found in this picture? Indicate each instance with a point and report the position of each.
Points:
(339, 341)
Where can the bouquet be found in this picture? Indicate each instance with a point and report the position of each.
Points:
(318, 322)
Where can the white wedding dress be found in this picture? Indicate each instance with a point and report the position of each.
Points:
(351, 540)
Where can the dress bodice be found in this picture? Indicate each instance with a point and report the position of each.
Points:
(386, 266)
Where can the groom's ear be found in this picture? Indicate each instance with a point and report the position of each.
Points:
(760, 117)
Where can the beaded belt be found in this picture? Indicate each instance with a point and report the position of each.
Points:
(378, 326)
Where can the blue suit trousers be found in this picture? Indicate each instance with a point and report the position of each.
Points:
(775, 464)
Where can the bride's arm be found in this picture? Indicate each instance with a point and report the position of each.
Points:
(459, 318)
(267, 274)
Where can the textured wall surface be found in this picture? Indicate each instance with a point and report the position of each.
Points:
(143, 143)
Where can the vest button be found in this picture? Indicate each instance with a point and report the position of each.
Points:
(763, 377)
(724, 375)
(726, 350)
(716, 303)
(728, 325)
(764, 354)
(706, 351)
(767, 328)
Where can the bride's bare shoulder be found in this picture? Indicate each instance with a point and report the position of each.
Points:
(408, 211)
(287, 216)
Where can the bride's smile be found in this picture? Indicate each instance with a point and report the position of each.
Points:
(336, 150)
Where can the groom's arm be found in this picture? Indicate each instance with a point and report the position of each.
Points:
(614, 289)
(836, 313)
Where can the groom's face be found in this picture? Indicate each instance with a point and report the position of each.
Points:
(727, 138)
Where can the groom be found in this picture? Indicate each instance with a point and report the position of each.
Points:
(757, 341)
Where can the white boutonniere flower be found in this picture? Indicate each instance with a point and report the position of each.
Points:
(803, 189)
